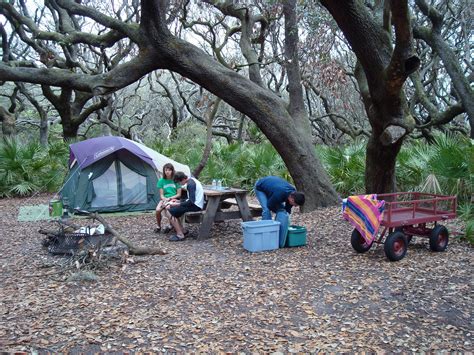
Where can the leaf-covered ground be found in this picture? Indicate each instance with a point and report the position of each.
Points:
(212, 295)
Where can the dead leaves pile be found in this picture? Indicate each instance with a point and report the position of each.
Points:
(211, 296)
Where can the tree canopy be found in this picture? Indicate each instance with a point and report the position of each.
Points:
(303, 72)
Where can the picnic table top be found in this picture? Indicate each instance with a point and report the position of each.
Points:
(210, 191)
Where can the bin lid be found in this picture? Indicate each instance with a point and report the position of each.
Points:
(261, 223)
(296, 229)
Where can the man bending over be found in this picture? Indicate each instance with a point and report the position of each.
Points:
(279, 196)
(276, 194)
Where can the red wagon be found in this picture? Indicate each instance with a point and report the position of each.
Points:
(406, 215)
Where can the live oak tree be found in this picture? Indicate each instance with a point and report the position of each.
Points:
(439, 93)
(445, 38)
(285, 125)
(29, 45)
(385, 60)
(383, 67)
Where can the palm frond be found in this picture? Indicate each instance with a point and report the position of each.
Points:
(431, 185)
(346, 167)
(24, 188)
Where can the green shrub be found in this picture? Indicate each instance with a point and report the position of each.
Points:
(345, 166)
(446, 166)
(27, 168)
(466, 213)
(236, 164)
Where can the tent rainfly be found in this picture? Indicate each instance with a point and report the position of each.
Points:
(110, 174)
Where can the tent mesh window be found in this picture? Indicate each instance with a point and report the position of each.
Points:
(105, 187)
(133, 186)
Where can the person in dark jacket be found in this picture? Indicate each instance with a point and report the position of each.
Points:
(194, 202)
(277, 195)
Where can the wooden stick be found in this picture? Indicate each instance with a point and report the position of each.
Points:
(133, 249)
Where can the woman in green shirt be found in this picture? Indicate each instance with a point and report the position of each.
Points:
(169, 192)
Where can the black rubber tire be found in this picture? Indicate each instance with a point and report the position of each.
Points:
(439, 238)
(358, 242)
(395, 246)
(400, 229)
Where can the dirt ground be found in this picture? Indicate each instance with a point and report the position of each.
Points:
(214, 296)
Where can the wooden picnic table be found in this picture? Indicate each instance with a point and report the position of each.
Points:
(214, 213)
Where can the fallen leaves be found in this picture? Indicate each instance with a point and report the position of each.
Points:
(213, 296)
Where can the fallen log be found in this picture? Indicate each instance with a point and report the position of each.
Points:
(134, 250)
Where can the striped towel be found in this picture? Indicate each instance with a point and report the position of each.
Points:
(365, 213)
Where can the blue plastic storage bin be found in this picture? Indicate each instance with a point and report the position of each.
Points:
(261, 235)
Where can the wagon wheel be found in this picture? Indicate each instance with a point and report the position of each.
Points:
(395, 246)
(439, 238)
(409, 237)
(358, 242)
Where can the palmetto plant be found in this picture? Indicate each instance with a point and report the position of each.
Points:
(57, 154)
(466, 213)
(19, 167)
(28, 168)
(411, 169)
(452, 164)
(445, 167)
(221, 163)
(345, 166)
(242, 164)
(237, 164)
(263, 160)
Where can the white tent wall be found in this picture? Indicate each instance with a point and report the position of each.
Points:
(160, 160)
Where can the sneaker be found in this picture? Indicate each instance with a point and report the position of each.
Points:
(176, 238)
(157, 230)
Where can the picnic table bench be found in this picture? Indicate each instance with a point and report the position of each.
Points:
(217, 201)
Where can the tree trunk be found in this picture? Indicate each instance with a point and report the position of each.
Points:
(44, 131)
(300, 158)
(69, 131)
(380, 178)
(241, 128)
(71, 106)
(208, 147)
(322, 191)
(8, 122)
(381, 72)
(104, 116)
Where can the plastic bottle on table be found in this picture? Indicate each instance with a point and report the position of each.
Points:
(214, 183)
(219, 184)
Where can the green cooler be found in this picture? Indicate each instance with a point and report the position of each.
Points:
(55, 208)
(296, 236)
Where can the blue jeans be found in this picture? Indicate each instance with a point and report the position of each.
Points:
(281, 216)
(262, 198)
